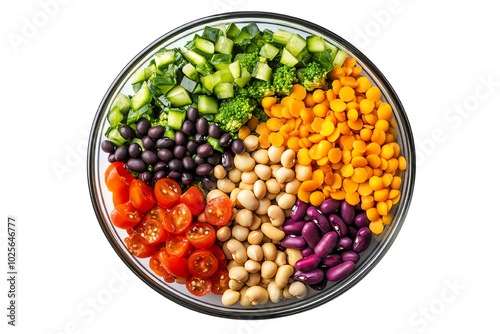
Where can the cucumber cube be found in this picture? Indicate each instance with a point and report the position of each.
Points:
(122, 102)
(281, 37)
(244, 78)
(235, 69)
(142, 97)
(164, 57)
(179, 97)
(262, 71)
(226, 76)
(232, 30)
(224, 90)
(211, 34)
(339, 58)
(296, 44)
(315, 44)
(269, 51)
(175, 119)
(207, 105)
(224, 45)
(190, 71)
(288, 59)
(210, 81)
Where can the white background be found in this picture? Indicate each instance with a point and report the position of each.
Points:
(437, 55)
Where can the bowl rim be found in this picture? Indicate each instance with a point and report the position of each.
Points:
(371, 262)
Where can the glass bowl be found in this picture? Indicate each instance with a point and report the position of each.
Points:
(211, 304)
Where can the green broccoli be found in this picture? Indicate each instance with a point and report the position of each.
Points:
(284, 78)
(313, 76)
(260, 114)
(260, 89)
(235, 112)
(249, 60)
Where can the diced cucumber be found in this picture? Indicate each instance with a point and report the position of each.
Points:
(164, 57)
(207, 105)
(224, 45)
(142, 97)
(122, 102)
(164, 89)
(221, 27)
(169, 133)
(304, 58)
(226, 76)
(281, 37)
(288, 59)
(324, 58)
(251, 48)
(224, 90)
(117, 139)
(203, 46)
(243, 38)
(179, 96)
(232, 30)
(211, 34)
(252, 30)
(339, 58)
(296, 44)
(235, 69)
(114, 117)
(190, 72)
(134, 115)
(141, 75)
(244, 78)
(332, 48)
(215, 144)
(188, 84)
(210, 81)
(221, 61)
(269, 51)
(262, 71)
(204, 69)
(139, 142)
(198, 89)
(315, 44)
(195, 58)
(175, 119)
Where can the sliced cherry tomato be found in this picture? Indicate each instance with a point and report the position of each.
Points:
(219, 254)
(138, 248)
(167, 192)
(178, 219)
(125, 215)
(120, 197)
(218, 210)
(141, 195)
(117, 177)
(198, 286)
(220, 281)
(177, 245)
(201, 235)
(193, 198)
(156, 212)
(151, 231)
(202, 263)
(169, 278)
(176, 266)
(156, 266)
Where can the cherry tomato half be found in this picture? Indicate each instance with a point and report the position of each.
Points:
(138, 248)
(169, 278)
(176, 266)
(177, 245)
(193, 198)
(220, 281)
(156, 212)
(178, 219)
(202, 263)
(141, 195)
(198, 286)
(120, 197)
(167, 192)
(201, 235)
(117, 177)
(151, 232)
(156, 266)
(125, 215)
(219, 255)
(218, 210)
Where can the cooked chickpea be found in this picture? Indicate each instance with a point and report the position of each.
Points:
(249, 177)
(235, 284)
(272, 232)
(255, 253)
(268, 269)
(256, 223)
(275, 153)
(298, 289)
(274, 292)
(237, 250)
(223, 233)
(214, 194)
(255, 237)
(244, 217)
(248, 200)
(286, 292)
(234, 196)
(244, 301)
(230, 297)
(245, 186)
(225, 185)
(231, 264)
(264, 204)
(219, 172)
(263, 172)
(288, 158)
(293, 255)
(271, 196)
(244, 162)
(240, 233)
(253, 279)
(251, 143)
(272, 186)
(269, 251)
(259, 189)
(238, 273)
(292, 187)
(234, 175)
(260, 156)
(284, 175)
(264, 282)
(275, 169)
(252, 266)
(280, 259)
(276, 215)
(257, 295)
(287, 201)
(283, 273)
(201, 218)
(303, 173)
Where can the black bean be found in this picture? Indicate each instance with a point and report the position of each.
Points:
(202, 126)
(237, 146)
(160, 174)
(165, 154)
(149, 157)
(188, 128)
(134, 150)
(181, 138)
(205, 150)
(165, 143)
(143, 126)
(108, 146)
(207, 183)
(192, 114)
(156, 132)
(121, 154)
(111, 158)
(148, 143)
(204, 169)
(186, 178)
(127, 132)
(175, 164)
(214, 159)
(199, 160)
(160, 165)
(188, 163)
(138, 135)
(180, 152)
(227, 160)
(199, 139)
(192, 147)
(174, 175)
(214, 131)
(136, 165)
(146, 176)
(225, 140)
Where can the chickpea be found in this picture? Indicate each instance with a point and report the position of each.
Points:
(234, 196)
(249, 177)
(271, 196)
(253, 279)
(225, 185)
(230, 297)
(292, 187)
(256, 223)
(231, 264)
(274, 292)
(264, 204)
(238, 273)
(286, 292)
(244, 217)
(245, 186)
(268, 269)
(263, 172)
(244, 301)
(234, 175)
(280, 259)
(264, 282)
(260, 156)
(201, 218)
(248, 200)
(272, 186)
(276, 215)
(283, 274)
(240, 233)
(275, 153)
(214, 193)
(303, 173)
(244, 162)
(281, 193)
(259, 189)
(219, 172)
(237, 250)
(275, 169)
(234, 211)
(252, 266)
(254, 252)
(288, 158)
(223, 233)
(269, 251)
(272, 232)
(293, 255)
(257, 295)
(287, 201)
(298, 289)
(255, 237)
(251, 143)
(285, 175)
(235, 284)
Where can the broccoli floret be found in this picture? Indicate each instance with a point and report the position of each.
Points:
(313, 76)
(260, 114)
(250, 60)
(235, 112)
(260, 89)
(243, 91)
(284, 78)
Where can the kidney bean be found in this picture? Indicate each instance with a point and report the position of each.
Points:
(320, 220)
(340, 271)
(299, 210)
(357, 207)
(293, 242)
(312, 277)
(319, 286)
(307, 251)
(329, 206)
(326, 245)
(352, 232)
(331, 260)
(338, 225)
(343, 244)
(293, 227)
(349, 255)
(362, 240)
(311, 234)
(309, 263)
(347, 212)
(361, 220)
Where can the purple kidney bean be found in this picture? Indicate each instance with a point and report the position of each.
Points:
(357, 207)
(311, 234)
(343, 244)
(293, 242)
(361, 220)
(338, 225)
(362, 240)
(352, 232)
(340, 271)
(326, 245)
(312, 277)
(293, 227)
(307, 251)
(329, 206)
(319, 286)
(349, 256)
(331, 260)
(308, 263)
(320, 220)
(347, 212)
(299, 210)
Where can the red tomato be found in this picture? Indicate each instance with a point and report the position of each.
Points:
(198, 286)
(201, 235)
(141, 195)
(169, 278)
(125, 215)
(220, 281)
(138, 248)
(193, 198)
(218, 210)
(157, 212)
(151, 232)
(120, 197)
(202, 263)
(117, 177)
(176, 266)
(177, 245)
(178, 219)
(167, 192)
(156, 266)
(219, 254)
